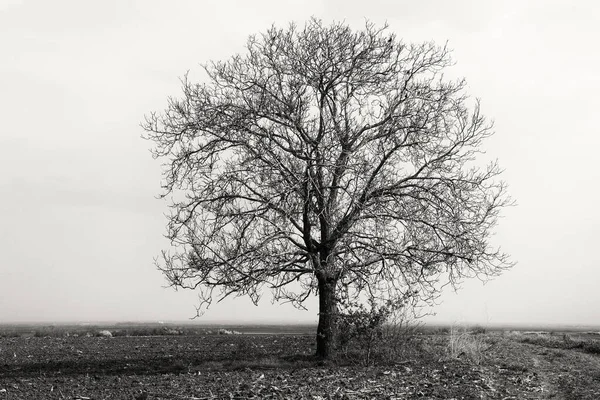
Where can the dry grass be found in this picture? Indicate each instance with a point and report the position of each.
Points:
(462, 343)
(564, 341)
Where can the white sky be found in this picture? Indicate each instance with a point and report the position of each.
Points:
(79, 224)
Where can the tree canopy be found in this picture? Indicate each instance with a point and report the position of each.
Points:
(327, 161)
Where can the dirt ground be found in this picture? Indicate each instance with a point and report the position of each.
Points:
(281, 367)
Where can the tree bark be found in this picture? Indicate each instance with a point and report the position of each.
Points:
(326, 330)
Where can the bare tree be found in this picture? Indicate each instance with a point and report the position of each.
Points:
(327, 161)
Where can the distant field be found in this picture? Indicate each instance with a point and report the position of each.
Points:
(169, 361)
(146, 329)
(186, 328)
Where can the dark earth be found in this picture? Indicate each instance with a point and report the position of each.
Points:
(251, 366)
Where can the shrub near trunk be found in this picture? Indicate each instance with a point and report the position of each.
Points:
(361, 331)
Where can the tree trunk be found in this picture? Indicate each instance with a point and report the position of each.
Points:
(326, 330)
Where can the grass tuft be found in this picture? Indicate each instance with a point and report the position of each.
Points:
(464, 344)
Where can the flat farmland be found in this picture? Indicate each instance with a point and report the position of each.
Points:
(201, 365)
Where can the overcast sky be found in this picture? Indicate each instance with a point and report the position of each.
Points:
(79, 224)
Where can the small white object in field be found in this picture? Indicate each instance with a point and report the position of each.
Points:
(105, 334)
(223, 331)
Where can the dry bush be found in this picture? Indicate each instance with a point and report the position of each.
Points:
(375, 334)
(360, 332)
(590, 346)
(462, 343)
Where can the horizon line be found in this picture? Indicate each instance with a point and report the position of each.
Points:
(505, 325)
